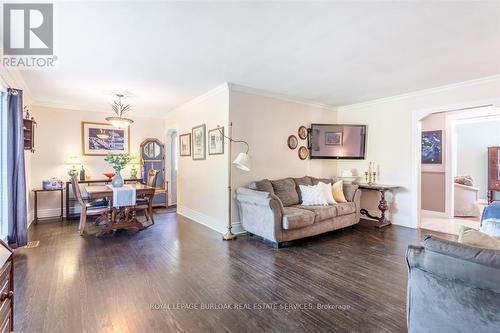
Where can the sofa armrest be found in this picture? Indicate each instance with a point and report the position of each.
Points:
(350, 191)
(260, 213)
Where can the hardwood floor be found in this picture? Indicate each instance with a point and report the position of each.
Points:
(139, 282)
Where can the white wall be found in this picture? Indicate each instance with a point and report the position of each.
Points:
(265, 122)
(390, 140)
(58, 136)
(202, 184)
(473, 140)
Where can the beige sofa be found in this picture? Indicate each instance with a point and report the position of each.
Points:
(272, 210)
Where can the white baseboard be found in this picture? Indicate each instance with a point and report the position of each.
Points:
(203, 219)
(431, 213)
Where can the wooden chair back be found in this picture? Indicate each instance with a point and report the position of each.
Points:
(152, 176)
(76, 190)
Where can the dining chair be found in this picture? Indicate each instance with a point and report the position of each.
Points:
(143, 204)
(98, 207)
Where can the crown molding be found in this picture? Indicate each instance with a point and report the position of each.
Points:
(420, 93)
(197, 100)
(264, 93)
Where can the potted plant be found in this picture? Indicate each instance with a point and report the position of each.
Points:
(118, 162)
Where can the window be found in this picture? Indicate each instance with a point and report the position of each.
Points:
(3, 164)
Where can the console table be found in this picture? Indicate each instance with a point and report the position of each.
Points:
(382, 206)
(60, 216)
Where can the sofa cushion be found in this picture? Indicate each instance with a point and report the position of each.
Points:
(345, 208)
(294, 218)
(286, 191)
(263, 185)
(315, 181)
(321, 212)
(306, 180)
(474, 237)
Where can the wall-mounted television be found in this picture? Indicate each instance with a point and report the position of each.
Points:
(337, 141)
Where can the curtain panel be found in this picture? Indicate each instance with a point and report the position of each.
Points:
(16, 179)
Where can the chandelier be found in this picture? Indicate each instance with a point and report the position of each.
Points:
(120, 110)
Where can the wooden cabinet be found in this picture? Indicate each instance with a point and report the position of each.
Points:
(6, 289)
(493, 172)
(29, 134)
(153, 157)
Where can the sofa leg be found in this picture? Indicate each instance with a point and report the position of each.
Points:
(353, 227)
(277, 245)
(249, 234)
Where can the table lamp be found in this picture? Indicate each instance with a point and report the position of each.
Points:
(74, 161)
(133, 170)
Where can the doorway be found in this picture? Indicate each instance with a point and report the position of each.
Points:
(453, 166)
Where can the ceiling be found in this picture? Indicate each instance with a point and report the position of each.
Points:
(336, 53)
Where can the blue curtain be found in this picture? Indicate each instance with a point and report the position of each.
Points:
(16, 181)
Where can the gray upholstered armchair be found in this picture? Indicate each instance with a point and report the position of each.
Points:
(453, 288)
(274, 212)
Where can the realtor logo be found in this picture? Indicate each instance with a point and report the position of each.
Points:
(28, 29)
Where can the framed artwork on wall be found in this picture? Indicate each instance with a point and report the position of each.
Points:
(216, 141)
(302, 132)
(199, 137)
(292, 142)
(185, 144)
(334, 138)
(303, 153)
(100, 139)
(432, 147)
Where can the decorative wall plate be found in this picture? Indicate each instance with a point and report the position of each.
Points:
(302, 132)
(292, 142)
(303, 152)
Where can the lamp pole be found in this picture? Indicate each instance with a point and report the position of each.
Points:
(229, 234)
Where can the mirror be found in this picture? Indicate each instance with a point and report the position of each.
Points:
(151, 150)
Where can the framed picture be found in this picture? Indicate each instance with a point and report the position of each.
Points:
(100, 139)
(199, 142)
(302, 132)
(432, 147)
(216, 141)
(292, 142)
(333, 138)
(185, 144)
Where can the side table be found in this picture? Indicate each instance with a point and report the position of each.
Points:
(37, 219)
(382, 206)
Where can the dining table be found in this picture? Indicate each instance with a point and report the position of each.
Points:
(122, 217)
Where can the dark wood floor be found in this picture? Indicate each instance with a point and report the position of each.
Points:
(116, 284)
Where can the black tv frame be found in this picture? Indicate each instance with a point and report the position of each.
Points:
(309, 144)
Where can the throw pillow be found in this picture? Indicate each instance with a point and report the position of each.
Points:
(338, 192)
(285, 190)
(491, 227)
(327, 192)
(476, 238)
(312, 195)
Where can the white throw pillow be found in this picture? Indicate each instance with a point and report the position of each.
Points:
(327, 193)
(312, 195)
(491, 227)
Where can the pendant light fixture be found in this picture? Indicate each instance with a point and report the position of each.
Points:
(120, 110)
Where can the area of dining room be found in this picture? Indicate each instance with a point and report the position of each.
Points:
(96, 175)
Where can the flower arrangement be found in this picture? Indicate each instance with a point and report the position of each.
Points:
(118, 161)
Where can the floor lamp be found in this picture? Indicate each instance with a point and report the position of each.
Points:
(242, 162)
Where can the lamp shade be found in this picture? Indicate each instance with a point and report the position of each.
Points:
(243, 162)
(74, 160)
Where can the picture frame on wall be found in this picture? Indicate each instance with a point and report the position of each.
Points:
(432, 147)
(100, 139)
(216, 141)
(185, 144)
(199, 137)
(334, 138)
